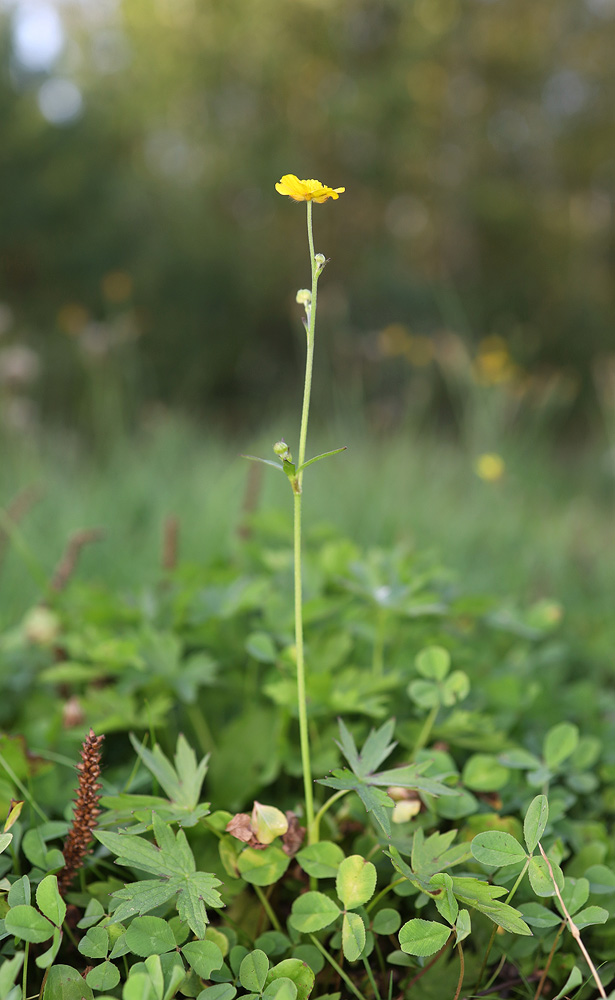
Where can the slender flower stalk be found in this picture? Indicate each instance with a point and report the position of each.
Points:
(298, 495)
(308, 191)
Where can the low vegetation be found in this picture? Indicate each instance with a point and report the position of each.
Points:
(391, 786)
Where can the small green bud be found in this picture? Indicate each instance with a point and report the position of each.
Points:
(283, 451)
(320, 262)
(304, 297)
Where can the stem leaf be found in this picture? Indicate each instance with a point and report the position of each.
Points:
(317, 458)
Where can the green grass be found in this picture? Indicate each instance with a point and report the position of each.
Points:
(545, 529)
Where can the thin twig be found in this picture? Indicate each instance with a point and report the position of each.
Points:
(545, 971)
(68, 563)
(254, 482)
(462, 969)
(16, 510)
(170, 543)
(574, 930)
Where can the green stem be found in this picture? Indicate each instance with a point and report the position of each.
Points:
(304, 739)
(518, 881)
(201, 728)
(349, 983)
(323, 809)
(495, 929)
(24, 979)
(69, 934)
(426, 730)
(8, 526)
(383, 892)
(266, 905)
(309, 364)
(378, 653)
(370, 976)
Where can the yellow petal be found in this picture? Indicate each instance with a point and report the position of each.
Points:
(306, 190)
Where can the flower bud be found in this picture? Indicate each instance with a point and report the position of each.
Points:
(304, 297)
(268, 823)
(320, 259)
(283, 451)
(14, 811)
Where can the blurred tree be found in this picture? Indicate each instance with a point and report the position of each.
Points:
(140, 222)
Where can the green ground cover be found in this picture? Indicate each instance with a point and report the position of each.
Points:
(460, 626)
(544, 530)
(399, 702)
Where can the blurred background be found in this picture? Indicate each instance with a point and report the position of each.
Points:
(146, 259)
(148, 269)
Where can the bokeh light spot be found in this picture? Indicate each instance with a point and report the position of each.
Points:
(117, 286)
(38, 36)
(490, 467)
(72, 318)
(60, 101)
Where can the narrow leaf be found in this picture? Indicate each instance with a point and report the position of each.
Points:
(353, 936)
(540, 878)
(535, 821)
(326, 454)
(463, 926)
(264, 461)
(49, 900)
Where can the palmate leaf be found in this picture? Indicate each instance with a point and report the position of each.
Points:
(437, 852)
(377, 747)
(375, 800)
(363, 778)
(172, 862)
(182, 784)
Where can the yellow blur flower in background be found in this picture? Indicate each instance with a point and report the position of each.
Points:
(310, 190)
(490, 467)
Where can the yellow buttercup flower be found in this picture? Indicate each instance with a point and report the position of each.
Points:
(309, 190)
(490, 467)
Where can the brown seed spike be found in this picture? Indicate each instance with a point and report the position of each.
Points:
(86, 811)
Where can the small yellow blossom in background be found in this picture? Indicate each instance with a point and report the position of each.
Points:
(395, 340)
(310, 190)
(72, 318)
(490, 467)
(117, 286)
(493, 365)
